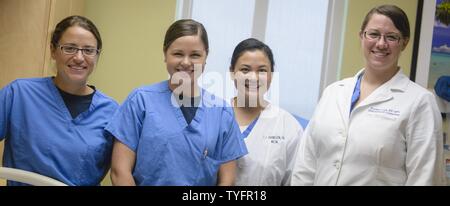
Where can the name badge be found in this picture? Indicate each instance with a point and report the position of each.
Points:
(274, 139)
(391, 114)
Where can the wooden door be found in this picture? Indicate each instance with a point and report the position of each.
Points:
(23, 38)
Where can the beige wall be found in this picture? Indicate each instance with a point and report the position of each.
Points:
(352, 58)
(133, 33)
(23, 38)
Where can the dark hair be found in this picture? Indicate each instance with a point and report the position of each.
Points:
(397, 16)
(251, 44)
(185, 27)
(80, 21)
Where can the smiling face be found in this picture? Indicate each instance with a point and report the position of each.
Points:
(74, 68)
(382, 54)
(185, 59)
(252, 74)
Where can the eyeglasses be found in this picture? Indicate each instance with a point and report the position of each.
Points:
(392, 38)
(71, 50)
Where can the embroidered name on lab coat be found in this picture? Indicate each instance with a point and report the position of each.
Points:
(386, 113)
(274, 139)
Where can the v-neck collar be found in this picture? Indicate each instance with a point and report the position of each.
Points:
(249, 128)
(265, 112)
(62, 106)
(179, 114)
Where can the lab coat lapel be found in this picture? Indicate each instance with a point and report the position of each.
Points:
(344, 96)
(381, 94)
(384, 93)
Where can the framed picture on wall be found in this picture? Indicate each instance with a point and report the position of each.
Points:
(440, 51)
(440, 64)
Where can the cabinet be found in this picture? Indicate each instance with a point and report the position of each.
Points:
(25, 32)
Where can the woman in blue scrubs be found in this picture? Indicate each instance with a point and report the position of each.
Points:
(54, 126)
(174, 132)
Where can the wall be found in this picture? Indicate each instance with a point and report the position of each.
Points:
(23, 27)
(352, 58)
(132, 32)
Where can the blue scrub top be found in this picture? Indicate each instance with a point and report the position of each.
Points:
(168, 150)
(42, 137)
(356, 93)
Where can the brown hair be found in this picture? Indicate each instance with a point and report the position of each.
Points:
(185, 27)
(80, 21)
(397, 16)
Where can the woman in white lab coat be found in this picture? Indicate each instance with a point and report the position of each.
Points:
(271, 134)
(377, 128)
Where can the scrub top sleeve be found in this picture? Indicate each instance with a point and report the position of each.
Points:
(126, 124)
(424, 139)
(6, 98)
(233, 145)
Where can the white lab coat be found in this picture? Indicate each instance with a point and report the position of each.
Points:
(393, 137)
(272, 145)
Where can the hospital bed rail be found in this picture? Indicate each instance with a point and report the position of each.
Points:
(27, 177)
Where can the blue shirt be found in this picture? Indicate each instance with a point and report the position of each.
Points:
(356, 93)
(76, 104)
(168, 150)
(190, 109)
(42, 137)
(249, 129)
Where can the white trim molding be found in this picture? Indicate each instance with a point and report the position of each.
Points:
(426, 37)
(184, 9)
(334, 39)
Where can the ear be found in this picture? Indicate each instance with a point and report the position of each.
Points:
(405, 43)
(53, 51)
(165, 57)
(360, 34)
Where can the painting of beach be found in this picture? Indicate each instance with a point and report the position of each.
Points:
(440, 55)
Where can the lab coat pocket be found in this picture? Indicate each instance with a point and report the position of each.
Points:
(386, 174)
(390, 176)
